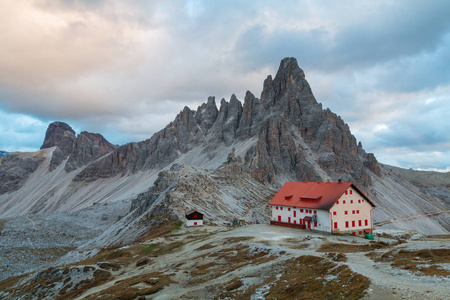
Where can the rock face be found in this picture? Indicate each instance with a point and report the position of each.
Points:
(287, 121)
(79, 150)
(55, 134)
(15, 169)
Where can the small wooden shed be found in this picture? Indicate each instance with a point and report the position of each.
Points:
(194, 218)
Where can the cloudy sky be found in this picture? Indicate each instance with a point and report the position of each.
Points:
(126, 68)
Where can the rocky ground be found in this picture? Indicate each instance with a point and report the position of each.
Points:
(250, 262)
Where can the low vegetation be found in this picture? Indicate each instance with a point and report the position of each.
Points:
(422, 262)
(312, 277)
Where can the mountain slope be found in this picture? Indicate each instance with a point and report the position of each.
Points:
(283, 136)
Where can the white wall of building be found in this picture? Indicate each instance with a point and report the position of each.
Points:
(190, 223)
(294, 215)
(357, 208)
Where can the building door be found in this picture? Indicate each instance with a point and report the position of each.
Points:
(309, 224)
(279, 218)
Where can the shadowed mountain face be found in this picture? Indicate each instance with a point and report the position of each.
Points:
(80, 149)
(286, 121)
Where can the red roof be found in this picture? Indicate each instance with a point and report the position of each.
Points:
(319, 195)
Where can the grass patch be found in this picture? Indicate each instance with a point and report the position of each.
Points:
(311, 277)
(418, 261)
(134, 287)
(149, 248)
(348, 248)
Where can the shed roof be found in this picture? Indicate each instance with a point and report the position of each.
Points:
(194, 214)
(319, 195)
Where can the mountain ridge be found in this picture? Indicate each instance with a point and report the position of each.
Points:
(286, 101)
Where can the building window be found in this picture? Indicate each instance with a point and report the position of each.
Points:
(353, 212)
(359, 201)
(315, 212)
(346, 212)
(366, 222)
(359, 223)
(343, 201)
(277, 207)
(335, 225)
(301, 209)
(281, 208)
(346, 224)
(360, 233)
(289, 209)
(353, 224)
(295, 222)
(346, 192)
(351, 192)
(289, 219)
(337, 202)
(334, 213)
(295, 213)
(357, 211)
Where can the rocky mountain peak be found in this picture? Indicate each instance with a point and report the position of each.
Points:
(55, 133)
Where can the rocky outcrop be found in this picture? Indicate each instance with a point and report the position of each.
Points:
(15, 169)
(55, 133)
(77, 150)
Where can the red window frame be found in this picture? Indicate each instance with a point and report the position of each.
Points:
(351, 201)
(301, 209)
(315, 212)
(279, 218)
(335, 225)
(346, 212)
(281, 207)
(343, 201)
(295, 222)
(346, 192)
(353, 212)
(295, 213)
(357, 211)
(276, 207)
(337, 202)
(195, 223)
(353, 223)
(289, 209)
(315, 224)
(289, 219)
(334, 213)
(359, 223)
(351, 192)
(366, 222)
(346, 224)
(359, 201)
